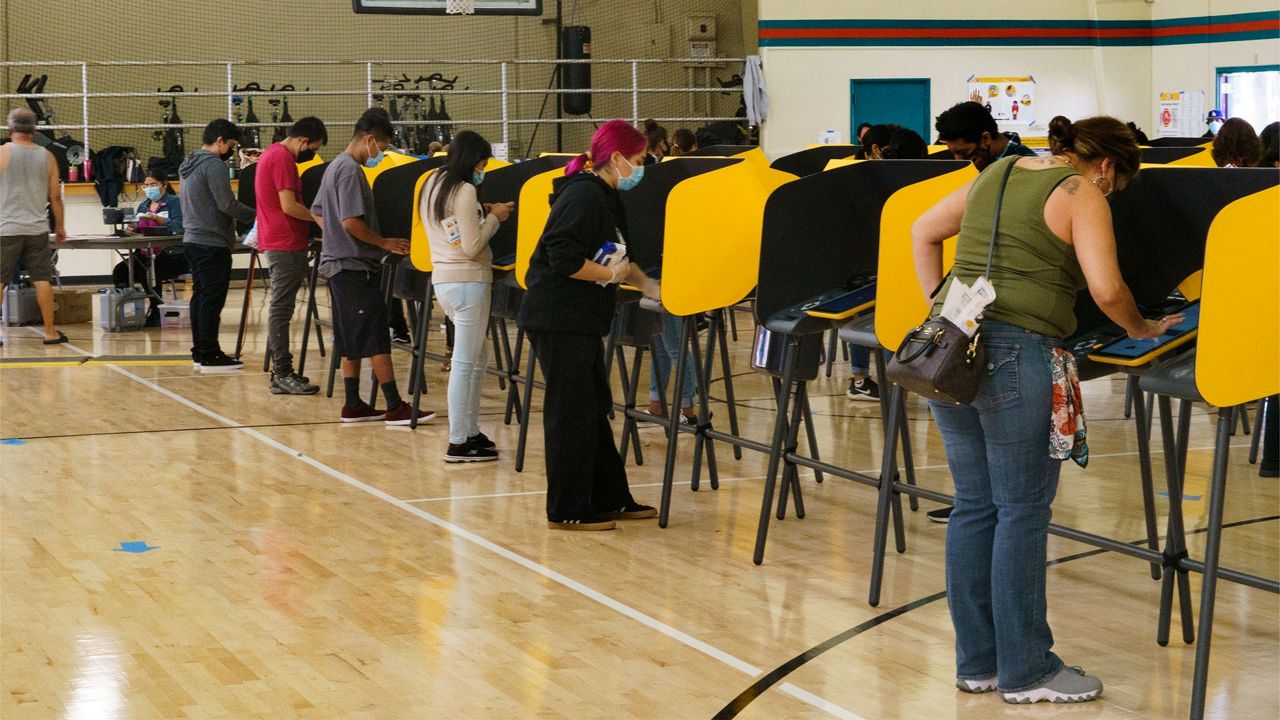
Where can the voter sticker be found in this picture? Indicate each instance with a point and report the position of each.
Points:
(452, 230)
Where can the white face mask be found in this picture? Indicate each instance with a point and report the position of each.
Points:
(1215, 126)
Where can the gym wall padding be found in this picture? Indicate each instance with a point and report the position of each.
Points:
(822, 232)
(1239, 344)
(900, 302)
(711, 251)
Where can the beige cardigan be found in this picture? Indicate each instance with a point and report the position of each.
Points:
(459, 252)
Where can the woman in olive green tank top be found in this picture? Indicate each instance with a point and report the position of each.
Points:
(1055, 238)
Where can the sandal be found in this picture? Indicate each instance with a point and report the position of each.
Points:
(58, 340)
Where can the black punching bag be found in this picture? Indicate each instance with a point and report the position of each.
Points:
(576, 76)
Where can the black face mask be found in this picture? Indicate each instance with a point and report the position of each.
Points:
(305, 155)
(227, 155)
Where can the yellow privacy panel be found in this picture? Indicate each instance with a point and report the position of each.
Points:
(900, 304)
(535, 206)
(419, 246)
(1238, 357)
(711, 248)
(495, 164)
(841, 162)
(303, 167)
(1204, 158)
(390, 159)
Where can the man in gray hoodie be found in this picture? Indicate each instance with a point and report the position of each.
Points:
(209, 214)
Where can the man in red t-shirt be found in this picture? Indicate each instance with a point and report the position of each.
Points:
(284, 232)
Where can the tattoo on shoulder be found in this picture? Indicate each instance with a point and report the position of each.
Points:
(1043, 161)
(1071, 185)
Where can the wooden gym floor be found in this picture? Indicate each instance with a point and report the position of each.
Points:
(305, 569)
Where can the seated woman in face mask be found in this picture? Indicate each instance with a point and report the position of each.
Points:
(162, 212)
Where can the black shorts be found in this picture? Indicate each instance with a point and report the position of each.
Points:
(359, 314)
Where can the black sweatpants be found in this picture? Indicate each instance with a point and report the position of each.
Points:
(585, 474)
(211, 277)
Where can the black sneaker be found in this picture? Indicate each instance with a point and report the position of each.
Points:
(941, 515)
(220, 363)
(401, 337)
(480, 440)
(468, 452)
(631, 511)
(598, 522)
(864, 389)
(292, 384)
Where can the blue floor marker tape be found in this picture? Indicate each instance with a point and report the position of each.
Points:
(13, 441)
(136, 546)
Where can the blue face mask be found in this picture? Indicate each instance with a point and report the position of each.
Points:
(153, 193)
(373, 160)
(477, 177)
(632, 180)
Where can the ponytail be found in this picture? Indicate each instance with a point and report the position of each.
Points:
(576, 165)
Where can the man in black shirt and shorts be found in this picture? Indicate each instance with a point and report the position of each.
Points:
(351, 261)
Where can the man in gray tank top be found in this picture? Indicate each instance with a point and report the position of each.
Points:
(28, 189)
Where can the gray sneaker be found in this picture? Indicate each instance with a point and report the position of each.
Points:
(292, 384)
(980, 685)
(1068, 685)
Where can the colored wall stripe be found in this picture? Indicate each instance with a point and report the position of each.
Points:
(1134, 33)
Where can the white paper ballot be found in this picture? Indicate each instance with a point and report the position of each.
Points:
(963, 305)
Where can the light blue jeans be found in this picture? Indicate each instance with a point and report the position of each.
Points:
(467, 305)
(998, 452)
(666, 353)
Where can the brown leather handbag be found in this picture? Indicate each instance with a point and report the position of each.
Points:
(936, 359)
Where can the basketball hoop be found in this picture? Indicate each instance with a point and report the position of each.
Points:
(460, 7)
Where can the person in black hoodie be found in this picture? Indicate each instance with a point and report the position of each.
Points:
(209, 214)
(569, 306)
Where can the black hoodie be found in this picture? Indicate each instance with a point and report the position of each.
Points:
(585, 214)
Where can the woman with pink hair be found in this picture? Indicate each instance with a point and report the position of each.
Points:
(572, 288)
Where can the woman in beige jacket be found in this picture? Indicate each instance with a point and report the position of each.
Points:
(459, 229)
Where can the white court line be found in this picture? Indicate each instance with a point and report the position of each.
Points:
(544, 492)
(619, 607)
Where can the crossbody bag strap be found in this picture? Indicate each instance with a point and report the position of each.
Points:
(995, 223)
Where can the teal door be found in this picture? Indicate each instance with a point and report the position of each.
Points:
(901, 101)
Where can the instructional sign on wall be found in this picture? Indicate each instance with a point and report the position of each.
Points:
(1181, 114)
(1010, 99)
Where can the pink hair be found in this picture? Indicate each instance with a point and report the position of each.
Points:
(613, 136)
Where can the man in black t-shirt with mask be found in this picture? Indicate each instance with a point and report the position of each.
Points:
(970, 133)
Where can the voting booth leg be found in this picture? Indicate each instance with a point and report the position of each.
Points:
(630, 433)
(336, 356)
(718, 324)
(780, 428)
(499, 326)
(417, 371)
(791, 471)
(886, 497)
(244, 308)
(1213, 545)
(904, 432)
(833, 342)
(672, 421)
(513, 379)
(1144, 468)
(523, 442)
(1175, 550)
(810, 434)
(312, 316)
(702, 375)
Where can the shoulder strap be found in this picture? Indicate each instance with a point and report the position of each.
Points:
(995, 223)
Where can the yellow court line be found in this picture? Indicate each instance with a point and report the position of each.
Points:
(40, 362)
(131, 363)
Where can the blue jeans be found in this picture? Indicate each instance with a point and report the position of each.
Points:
(859, 360)
(666, 353)
(998, 452)
(467, 304)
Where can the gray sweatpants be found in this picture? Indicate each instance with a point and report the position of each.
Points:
(288, 269)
